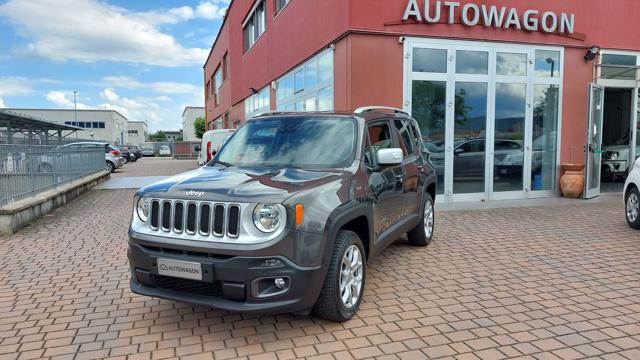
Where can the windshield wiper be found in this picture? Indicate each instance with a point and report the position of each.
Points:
(226, 164)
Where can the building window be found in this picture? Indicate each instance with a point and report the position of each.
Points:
(257, 103)
(217, 80)
(280, 4)
(618, 66)
(133, 132)
(254, 26)
(309, 87)
(225, 67)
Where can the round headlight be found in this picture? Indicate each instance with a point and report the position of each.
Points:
(143, 207)
(267, 217)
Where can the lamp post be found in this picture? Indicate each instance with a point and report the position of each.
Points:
(553, 65)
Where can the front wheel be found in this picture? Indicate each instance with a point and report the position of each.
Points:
(343, 287)
(422, 234)
(632, 208)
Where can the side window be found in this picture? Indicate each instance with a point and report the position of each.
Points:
(379, 138)
(406, 140)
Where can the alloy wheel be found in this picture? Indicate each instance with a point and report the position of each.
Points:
(351, 277)
(428, 218)
(633, 207)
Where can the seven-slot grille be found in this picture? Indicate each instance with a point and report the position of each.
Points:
(202, 218)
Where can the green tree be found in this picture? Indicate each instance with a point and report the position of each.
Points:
(199, 125)
(158, 136)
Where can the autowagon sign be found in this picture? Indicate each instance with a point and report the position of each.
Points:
(472, 14)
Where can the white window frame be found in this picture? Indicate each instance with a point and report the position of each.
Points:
(293, 101)
(251, 18)
(286, 3)
(252, 106)
(216, 86)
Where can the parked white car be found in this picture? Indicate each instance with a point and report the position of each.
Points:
(164, 151)
(211, 141)
(632, 196)
(615, 159)
(113, 156)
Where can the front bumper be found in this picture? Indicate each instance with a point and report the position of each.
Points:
(242, 283)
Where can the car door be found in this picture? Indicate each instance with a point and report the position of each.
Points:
(410, 168)
(385, 182)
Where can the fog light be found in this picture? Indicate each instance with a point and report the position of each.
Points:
(279, 283)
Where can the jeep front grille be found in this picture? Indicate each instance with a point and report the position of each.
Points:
(201, 218)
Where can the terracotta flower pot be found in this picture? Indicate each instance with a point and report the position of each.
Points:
(572, 180)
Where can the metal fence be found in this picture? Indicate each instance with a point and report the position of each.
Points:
(26, 170)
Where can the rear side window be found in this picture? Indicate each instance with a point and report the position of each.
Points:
(406, 139)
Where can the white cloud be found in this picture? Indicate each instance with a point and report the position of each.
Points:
(2, 105)
(64, 99)
(158, 112)
(89, 30)
(162, 87)
(15, 86)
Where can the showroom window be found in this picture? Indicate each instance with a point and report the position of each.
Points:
(308, 87)
(618, 66)
(254, 26)
(257, 103)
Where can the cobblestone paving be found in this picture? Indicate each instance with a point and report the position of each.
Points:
(155, 166)
(539, 283)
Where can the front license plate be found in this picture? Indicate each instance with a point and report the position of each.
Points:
(180, 269)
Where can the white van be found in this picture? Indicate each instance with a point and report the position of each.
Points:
(210, 142)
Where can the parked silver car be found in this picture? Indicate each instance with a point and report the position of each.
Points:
(112, 155)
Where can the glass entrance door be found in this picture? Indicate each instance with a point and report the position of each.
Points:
(488, 114)
(594, 141)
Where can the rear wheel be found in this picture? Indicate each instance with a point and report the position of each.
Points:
(110, 167)
(632, 207)
(343, 287)
(422, 234)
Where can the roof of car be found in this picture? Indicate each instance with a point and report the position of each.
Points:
(368, 115)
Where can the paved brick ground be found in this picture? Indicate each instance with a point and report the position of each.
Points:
(155, 166)
(540, 283)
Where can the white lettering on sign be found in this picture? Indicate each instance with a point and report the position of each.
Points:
(472, 14)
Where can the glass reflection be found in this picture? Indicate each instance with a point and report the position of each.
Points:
(472, 62)
(620, 73)
(511, 64)
(547, 63)
(428, 108)
(469, 137)
(545, 124)
(508, 146)
(430, 60)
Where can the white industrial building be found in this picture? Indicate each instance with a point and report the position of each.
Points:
(137, 132)
(103, 125)
(189, 116)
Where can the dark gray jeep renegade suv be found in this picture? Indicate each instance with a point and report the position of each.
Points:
(286, 215)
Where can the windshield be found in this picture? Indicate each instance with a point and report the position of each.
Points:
(292, 141)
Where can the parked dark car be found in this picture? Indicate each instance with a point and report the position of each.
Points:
(126, 154)
(275, 223)
(135, 151)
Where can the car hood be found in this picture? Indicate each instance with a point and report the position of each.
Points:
(240, 184)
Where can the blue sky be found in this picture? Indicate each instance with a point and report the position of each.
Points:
(143, 58)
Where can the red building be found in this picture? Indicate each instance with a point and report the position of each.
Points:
(504, 91)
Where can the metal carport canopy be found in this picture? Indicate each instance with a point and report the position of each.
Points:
(12, 123)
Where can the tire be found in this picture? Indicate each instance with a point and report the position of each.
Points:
(632, 207)
(422, 234)
(110, 167)
(330, 305)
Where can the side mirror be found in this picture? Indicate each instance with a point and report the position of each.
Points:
(458, 151)
(390, 156)
(197, 148)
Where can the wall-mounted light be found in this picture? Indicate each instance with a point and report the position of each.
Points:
(592, 53)
(253, 90)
